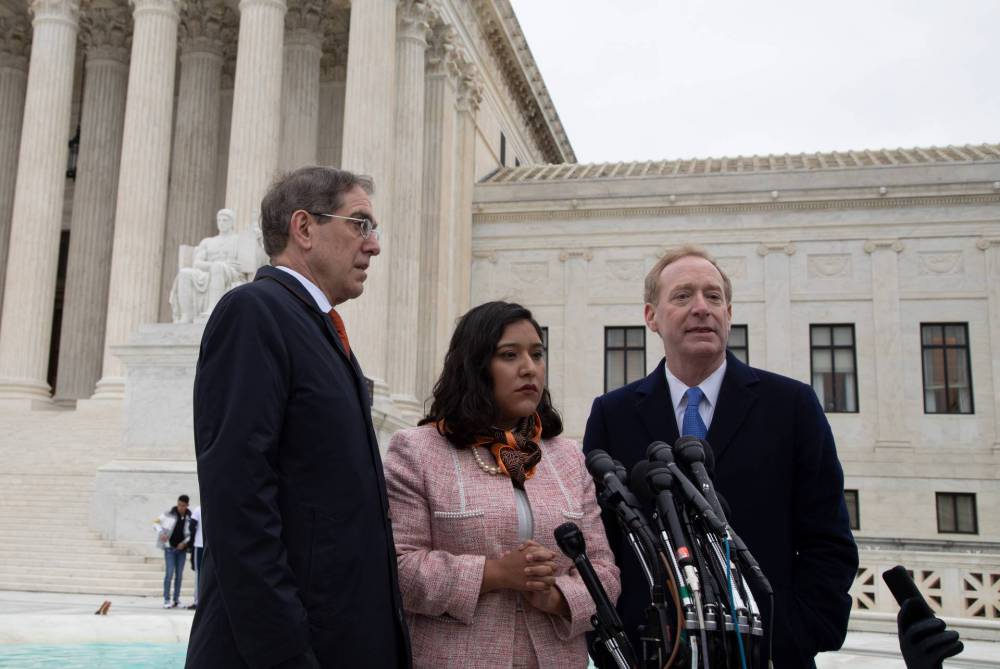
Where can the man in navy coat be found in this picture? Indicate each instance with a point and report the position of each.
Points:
(300, 567)
(776, 462)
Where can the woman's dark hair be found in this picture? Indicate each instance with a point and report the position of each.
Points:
(463, 394)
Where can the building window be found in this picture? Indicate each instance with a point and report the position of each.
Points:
(738, 343)
(956, 513)
(833, 363)
(517, 162)
(503, 150)
(624, 356)
(853, 510)
(947, 370)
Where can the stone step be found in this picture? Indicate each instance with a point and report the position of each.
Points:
(110, 588)
(140, 571)
(110, 560)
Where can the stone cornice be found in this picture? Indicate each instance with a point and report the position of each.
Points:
(482, 215)
(15, 37)
(106, 31)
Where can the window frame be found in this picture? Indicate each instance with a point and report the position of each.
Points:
(848, 493)
(746, 341)
(946, 347)
(833, 348)
(625, 349)
(954, 497)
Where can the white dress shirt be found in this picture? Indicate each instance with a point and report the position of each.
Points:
(317, 294)
(710, 388)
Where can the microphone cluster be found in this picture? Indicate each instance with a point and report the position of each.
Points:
(702, 612)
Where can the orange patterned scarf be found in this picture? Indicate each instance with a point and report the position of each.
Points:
(516, 451)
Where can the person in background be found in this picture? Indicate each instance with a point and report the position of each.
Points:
(199, 549)
(174, 531)
(476, 491)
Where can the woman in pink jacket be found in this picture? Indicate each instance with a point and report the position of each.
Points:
(475, 493)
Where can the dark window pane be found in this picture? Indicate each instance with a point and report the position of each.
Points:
(741, 355)
(843, 336)
(821, 361)
(738, 337)
(636, 337)
(820, 335)
(843, 360)
(853, 511)
(615, 361)
(965, 513)
(636, 366)
(954, 335)
(616, 337)
(946, 513)
(932, 335)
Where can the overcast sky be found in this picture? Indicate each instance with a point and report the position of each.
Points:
(656, 79)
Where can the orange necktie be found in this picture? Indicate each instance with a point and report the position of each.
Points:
(338, 325)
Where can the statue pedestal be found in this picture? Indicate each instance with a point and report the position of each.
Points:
(155, 461)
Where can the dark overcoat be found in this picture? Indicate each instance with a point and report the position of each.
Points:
(776, 464)
(298, 540)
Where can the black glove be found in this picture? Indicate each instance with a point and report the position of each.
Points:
(923, 638)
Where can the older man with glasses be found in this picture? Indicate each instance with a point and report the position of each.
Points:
(300, 565)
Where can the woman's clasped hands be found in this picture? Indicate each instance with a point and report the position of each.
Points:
(531, 570)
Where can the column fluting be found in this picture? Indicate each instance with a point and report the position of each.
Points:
(15, 44)
(404, 265)
(36, 219)
(332, 85)
(369, 123)
(140, 213)
(204, 27)
(470, 95)
(300, 84)
(106, 32)
(256, 118)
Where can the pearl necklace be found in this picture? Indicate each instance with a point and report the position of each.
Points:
(489, 469)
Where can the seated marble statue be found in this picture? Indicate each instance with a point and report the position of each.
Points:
(215, 268)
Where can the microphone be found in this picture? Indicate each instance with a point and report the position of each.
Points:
(660, 452)
(693, 452)
(609, 626)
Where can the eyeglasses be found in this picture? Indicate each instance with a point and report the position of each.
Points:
(366, 226)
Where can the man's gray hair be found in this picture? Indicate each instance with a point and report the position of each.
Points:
(651, 291)
(314, 188)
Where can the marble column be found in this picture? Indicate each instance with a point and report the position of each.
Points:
(470, 94)
(440, 119)
(15, 44)
(777, 305)
(300, 84)
(991, 247)
(205, 26)
(106, 32)
(37, 214)
(140, 214)
(576, 287)
(891, 409)
(256, 119)
(369, 124)
(332, 84)
(225, 121)
(404, 266)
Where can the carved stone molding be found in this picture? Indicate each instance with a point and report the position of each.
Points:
(470, 89)
(106, 31)
(207, 26)
(56, 10)
(304, 23)
(168, 8)
(873, 245)
(490, 256)
(413, 19)
(788, 248)
(333, 64)
(829, 265)
(443, 53)
(15, 40)
(985, 243)
(940, 262)
(586, 254)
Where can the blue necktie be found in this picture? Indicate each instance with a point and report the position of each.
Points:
(693, 425)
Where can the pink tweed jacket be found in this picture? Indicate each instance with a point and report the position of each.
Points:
(449, 516)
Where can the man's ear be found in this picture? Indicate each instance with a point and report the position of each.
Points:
(649, 314)
(299, 229)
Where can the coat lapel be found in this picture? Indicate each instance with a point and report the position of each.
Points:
(655, 409)
(736, 396)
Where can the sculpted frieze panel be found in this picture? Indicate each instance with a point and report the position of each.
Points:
(940, 262)
(829, 265)
(618, 278)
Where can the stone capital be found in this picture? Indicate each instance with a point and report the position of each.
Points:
(470, 88)
(333, 65)
(873, 245)
(168, 8)
(304, 16)
(788, 248)
(207, 26)
(106, 31)
(15, 38)
(443, 59)
(568, 254)
(58, 11)
(413, 21)
(985, 243)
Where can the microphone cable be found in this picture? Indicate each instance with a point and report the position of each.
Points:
(732, 606)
